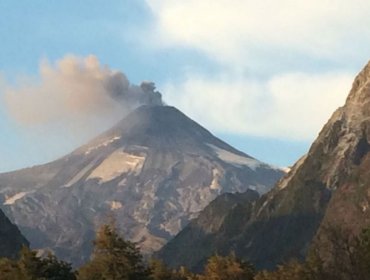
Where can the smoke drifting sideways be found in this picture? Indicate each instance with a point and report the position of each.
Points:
(71, 101)
(76, 89)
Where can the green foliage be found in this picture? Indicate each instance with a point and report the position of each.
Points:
(158, 271)
(31, 267)
(53, 269)
(29, 264)
(341, 257)
(290, 271)
(113, 258)
(361, 254)
(184, 274)
(9, 270)
(227, 268)
(217, 268)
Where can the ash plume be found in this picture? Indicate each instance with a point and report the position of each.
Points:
(76, 90)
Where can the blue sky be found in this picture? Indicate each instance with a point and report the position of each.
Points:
(262, 75)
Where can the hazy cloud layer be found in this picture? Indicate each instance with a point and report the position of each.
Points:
(290, 106)
(75, 90)
(281, 42)
(239, 30)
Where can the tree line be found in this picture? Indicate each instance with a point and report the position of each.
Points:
(346, 257)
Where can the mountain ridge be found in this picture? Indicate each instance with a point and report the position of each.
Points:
(11, 239)
(153, 171)
(320, 190)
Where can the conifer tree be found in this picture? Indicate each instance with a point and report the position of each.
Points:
(227, 268)
(54, 269)
(113, 258)
(9, 269)
(31, 267)
(158, 271)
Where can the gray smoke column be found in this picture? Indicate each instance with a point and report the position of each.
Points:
(76, 88)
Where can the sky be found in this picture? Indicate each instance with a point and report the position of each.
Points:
(262, 75)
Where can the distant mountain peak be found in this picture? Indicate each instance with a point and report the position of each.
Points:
(154, 171)
(162, 127)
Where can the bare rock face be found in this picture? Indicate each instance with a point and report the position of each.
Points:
(153, 171)
(11, 239)
(329, 185)
(210, 231)
(349, 205)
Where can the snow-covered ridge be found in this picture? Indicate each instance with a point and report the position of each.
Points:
(12, 199)
(116, 164)
(286, 169)
(215, 185)
(235, 159)
(115, 205)
(103, 144)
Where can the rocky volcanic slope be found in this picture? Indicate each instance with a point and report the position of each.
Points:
(153, 172)
(11, 239)
(330, 185)
(209, 232)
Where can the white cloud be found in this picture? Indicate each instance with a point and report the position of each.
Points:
(239, 30)
(261, 38)
(290, 106)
